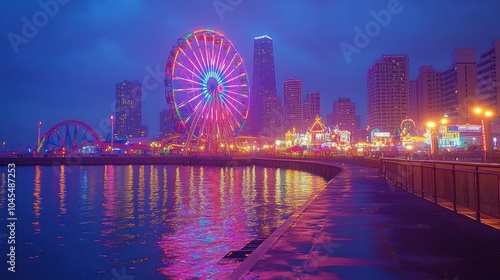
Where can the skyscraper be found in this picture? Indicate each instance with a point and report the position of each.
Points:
(128, 109)
(488, 72)
(344, 114)
(415, 109)
(426, 96)
(292, 104)
(166, 123)
(311, 107)
(388, 92)
(460, 86)
(265, 115)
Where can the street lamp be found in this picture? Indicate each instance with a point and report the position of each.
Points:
(444, 129)
(485, 131)
(112, 131)
(434, 141)
(38, 141)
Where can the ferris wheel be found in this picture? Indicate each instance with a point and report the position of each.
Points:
(207, 88)
(68, 137)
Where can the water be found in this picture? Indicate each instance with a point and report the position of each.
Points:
(147, 222)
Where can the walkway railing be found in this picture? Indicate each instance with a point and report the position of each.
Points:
(475, 186)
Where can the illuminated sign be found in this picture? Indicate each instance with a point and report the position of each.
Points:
(382, 134)
(464, 128)
(495, 128)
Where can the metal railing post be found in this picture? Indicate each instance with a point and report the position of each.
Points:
(406, 176)
(478, 200)
(435, 183)
(422, 179)
(454, 188)
(413, 178)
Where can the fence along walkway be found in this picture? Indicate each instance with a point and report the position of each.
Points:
(470, 188)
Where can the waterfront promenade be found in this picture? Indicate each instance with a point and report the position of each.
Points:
(359, 227)
(362, 227)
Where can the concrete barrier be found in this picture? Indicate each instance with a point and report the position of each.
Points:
(323, 169)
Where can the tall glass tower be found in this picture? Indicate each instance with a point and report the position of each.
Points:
(128, 109)
(265, 116)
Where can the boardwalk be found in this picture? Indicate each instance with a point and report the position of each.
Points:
(361, 227)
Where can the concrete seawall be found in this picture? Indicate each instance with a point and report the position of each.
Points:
(327, 171)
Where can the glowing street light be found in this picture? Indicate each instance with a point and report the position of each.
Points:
(434, 141)
(38, 141)
(112, 131)
(485, 131)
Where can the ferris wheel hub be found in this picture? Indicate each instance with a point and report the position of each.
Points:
(213, 86)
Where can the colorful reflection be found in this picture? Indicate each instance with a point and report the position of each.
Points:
(156, 222)
(37, 200)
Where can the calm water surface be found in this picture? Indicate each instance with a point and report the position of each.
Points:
(151, 222)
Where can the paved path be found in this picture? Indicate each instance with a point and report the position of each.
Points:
(361, 227)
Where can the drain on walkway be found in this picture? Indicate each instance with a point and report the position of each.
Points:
(243, 253)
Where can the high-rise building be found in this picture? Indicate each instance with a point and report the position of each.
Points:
(459, 86)
(311, 107)
(426, 96)
(488, 76)
(128, 109)
(167, 123)
(388, 92)
(292, 104)
(265, 115)
(329, 119)
(344, 114)
(144, 130)
(358, 122)
(415, 109)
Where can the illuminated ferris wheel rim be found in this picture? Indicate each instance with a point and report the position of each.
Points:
(68, 134)
(205, 73)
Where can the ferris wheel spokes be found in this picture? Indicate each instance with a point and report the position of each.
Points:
(209, 90)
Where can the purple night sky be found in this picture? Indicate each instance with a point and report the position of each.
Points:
(68, 67)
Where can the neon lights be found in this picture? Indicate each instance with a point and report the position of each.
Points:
(467, 128)
(262, 37)
(211, 89)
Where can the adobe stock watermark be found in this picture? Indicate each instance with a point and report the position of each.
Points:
(150, 81)
(319, 255)
(29, 29)
(372, 29)
(275, 128)
(223, 6)
(122, 275)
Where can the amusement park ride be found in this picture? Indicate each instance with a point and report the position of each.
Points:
(207, 88)
(68, 137)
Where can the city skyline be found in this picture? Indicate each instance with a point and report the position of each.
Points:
(69, 65)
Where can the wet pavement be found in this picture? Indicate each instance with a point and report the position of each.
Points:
(362, 227)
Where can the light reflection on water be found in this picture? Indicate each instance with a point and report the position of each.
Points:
(154, 221)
